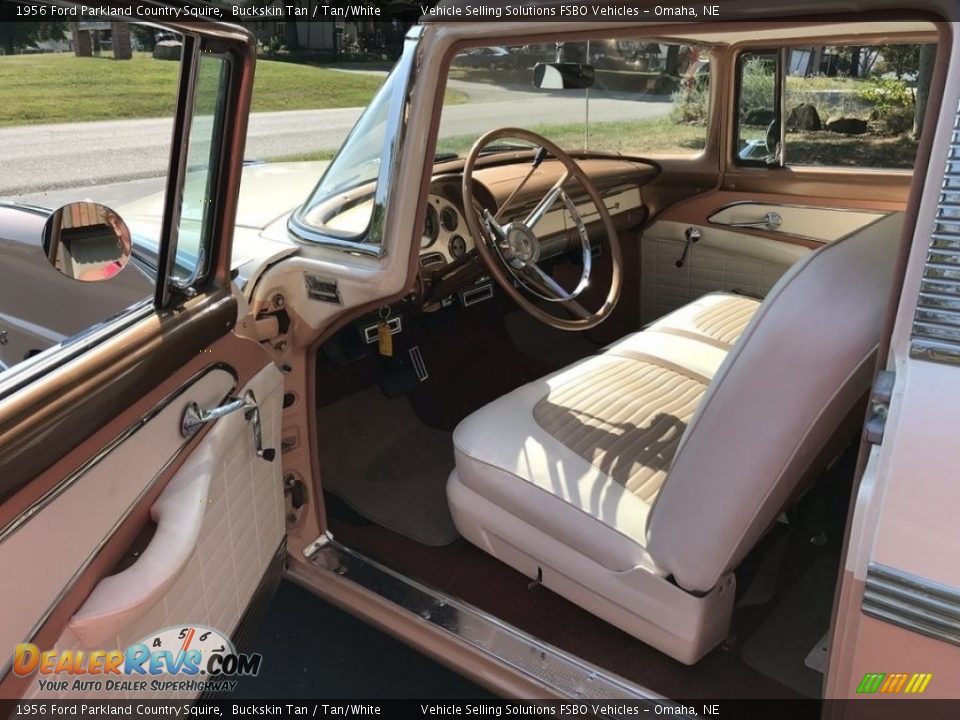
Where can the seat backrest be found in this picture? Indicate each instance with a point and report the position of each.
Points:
(804, 360)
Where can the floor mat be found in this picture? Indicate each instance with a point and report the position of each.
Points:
(378, 458)
(781, 644)
(311, 649)
(547, 344)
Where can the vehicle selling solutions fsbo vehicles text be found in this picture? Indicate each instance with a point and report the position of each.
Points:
(568, 10)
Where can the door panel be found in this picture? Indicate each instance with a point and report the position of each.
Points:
(746, 259)
(232, 546)
(720, 260)
(243, 512)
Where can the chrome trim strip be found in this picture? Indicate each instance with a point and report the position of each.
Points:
(737, 203)
(57, 490)
(936, 322)
(913, 603)
(561, 672)
(301, 232)
(396, 126)
(23, 373)
(69, 481)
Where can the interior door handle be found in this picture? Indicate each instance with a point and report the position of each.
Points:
(771, 221)
(194, 418)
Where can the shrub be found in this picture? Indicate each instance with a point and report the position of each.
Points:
(892, 103)
(691, 102)
(758, 85)
(886, 94)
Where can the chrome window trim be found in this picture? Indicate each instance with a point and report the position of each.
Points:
(33, 368)
(67, 482)
(396, 126)
(912, 602)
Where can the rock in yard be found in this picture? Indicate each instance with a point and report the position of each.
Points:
(168, 50)
(847, 126)
(804, 117)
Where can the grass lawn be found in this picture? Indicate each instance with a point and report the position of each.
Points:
(58, 88)
(306, 157)
(630, 138)
(869, 151)
(659, 135)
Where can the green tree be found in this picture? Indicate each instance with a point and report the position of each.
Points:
(145, 36)
(17, 35)
(900, 59)
(925, 61)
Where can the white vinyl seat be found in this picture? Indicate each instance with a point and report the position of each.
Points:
(636, 480)
(717, 318)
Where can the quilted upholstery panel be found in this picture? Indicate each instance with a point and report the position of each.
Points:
(726, 321)
(242, 529)
(626, 418)
(664, 287)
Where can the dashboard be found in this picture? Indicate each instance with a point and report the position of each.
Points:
(445, 235)
(450, 274)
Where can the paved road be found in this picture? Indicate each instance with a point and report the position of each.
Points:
(52, 157)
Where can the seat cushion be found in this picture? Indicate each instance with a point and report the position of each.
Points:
(717, 318)
(591, 444)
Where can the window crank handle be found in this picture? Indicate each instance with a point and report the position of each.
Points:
(693, 235)
(251, 411)
(194, 418)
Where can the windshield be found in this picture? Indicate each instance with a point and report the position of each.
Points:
(645, 97)
(342, 203)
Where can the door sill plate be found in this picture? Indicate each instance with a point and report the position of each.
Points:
(564, 674)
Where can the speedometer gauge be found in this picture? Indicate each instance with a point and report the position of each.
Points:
(431, 228)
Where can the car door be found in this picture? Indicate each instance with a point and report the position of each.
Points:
(140, 496)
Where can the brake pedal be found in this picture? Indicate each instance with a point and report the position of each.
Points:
(419, 366)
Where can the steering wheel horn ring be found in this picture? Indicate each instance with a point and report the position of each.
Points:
(512, 251)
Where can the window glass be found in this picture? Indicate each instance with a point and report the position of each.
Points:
(341, 206)
(202, 157)
(856, 105)
(86, 117)
(647, 97)
(757, 130)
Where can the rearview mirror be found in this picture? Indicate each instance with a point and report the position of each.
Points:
(563, 76)
(86, 241)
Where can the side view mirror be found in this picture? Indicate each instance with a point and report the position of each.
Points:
(86, 241)
(563, 76)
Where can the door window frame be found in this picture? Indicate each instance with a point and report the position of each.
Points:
(213, 269)
(777, 162)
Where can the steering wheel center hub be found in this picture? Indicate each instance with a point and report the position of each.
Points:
(523, 243)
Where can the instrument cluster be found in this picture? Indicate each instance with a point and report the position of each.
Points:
(445, 235)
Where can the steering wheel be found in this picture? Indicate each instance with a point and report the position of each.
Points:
(511, 250)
